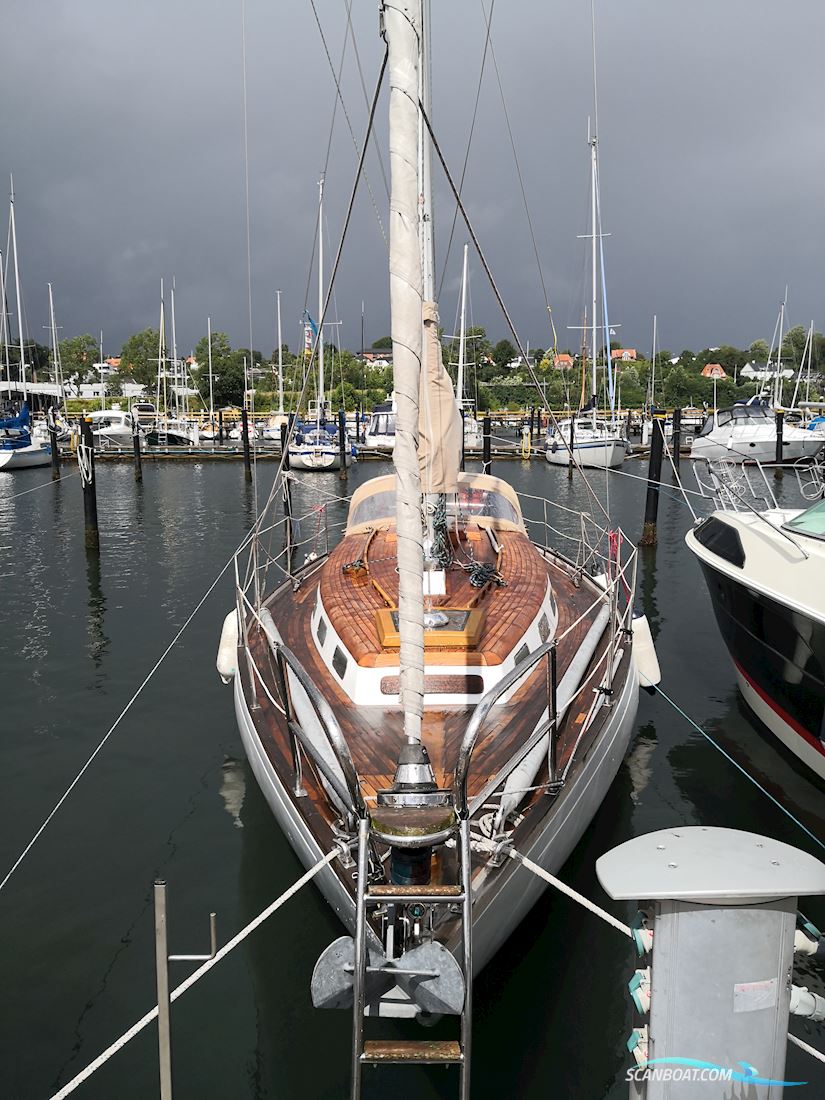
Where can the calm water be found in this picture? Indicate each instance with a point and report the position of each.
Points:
(171, 796)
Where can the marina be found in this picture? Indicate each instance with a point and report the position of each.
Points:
(454, 720)
(172, 796)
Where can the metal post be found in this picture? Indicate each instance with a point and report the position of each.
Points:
(136, 447)
(360, 957)
(486, 453)
(87, 476)
(342, 444)
(220, 426)
(677, 438)
(572, 442)
(164, 1003)
(467, 938)
(50, 420)
(654, 477)
(780, 423)
(462, 439)
(552, 748)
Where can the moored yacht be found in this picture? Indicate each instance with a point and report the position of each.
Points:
(765, 573)
(746, 432)
(597, 443)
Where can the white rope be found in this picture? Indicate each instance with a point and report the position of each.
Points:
(122, 715)
(136, 1028)
(51, 481)
(814, 1053)
(85, 459)
(569, 891)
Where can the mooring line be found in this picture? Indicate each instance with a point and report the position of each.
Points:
(144, 1021)
(739, 767)
(122, 714)
(42, 485)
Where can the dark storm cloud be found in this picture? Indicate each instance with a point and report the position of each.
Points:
(123, 127)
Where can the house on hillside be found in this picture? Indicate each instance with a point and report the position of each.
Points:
(623, 355)
(714, 370)
(563, 361)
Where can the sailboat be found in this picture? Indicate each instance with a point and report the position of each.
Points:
(473, 436)
(316, 446)
(595, 441)
(439, 687)
(17, 448)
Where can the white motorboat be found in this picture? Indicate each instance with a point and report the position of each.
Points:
(747, 433)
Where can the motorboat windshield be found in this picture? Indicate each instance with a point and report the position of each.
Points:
(810, 522)
(739, 416)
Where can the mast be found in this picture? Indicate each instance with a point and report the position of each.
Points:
(211, 394)
(175, 392)
(462, 334)
(17, 291)
(777, 385)
(401, 27)
(161, 359)
(425, 209)
(102, 381)
(280, 360)
(58, 367)
(321, 402)
(653, 370)
(594, 264)
(4, 326)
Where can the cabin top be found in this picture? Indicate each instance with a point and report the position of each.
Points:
(488, 501)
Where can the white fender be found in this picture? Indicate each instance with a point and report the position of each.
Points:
(644, 653)
(227, 662)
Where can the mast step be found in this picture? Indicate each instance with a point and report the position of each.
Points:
(422, 1051)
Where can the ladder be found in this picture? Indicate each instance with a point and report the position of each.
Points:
(411, 1052)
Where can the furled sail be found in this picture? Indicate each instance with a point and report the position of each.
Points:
(439, 421)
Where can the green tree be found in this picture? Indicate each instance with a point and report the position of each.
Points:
(139, 357)
(383, 342)
(759, 351)
(77, 354)
(503, 353)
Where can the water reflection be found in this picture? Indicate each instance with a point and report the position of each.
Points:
(98, 642)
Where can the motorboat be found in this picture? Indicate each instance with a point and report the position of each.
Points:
(746, 432)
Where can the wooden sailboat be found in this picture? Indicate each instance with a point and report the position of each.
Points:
(438, 689)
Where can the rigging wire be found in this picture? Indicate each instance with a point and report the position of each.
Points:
(500, 300)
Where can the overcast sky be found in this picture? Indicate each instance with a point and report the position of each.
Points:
(123, 126)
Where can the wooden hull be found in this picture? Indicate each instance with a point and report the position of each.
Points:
(592, 742)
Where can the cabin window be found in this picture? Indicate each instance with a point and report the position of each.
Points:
(322, 631)
(339, 662)
(721, 539)
(544, 628)
(523, 653)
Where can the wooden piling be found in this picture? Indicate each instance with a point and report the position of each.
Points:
(654, 477)
(247, 462)
(677, 438)
(52, 426)
(136, 449)
(86, 459)
(780, 427)
(220, 426)
(486, 453)
(342, 444)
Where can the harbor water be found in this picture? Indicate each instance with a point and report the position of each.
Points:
(170, 796)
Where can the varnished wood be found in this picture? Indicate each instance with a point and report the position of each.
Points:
(411, 1050)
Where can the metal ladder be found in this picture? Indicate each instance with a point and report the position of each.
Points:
(411, 1052)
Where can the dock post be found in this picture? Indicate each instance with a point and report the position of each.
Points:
(284, 448)
(164, 1003)
(86, 462)
(247, 465)
(572, 442)
(654, 477)
(716, 940)
(342, 444)
(486, 453)
(136, 448)
(677, 438)
(780, 425)
(462, 440)
(220, 426)
(52, 426)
